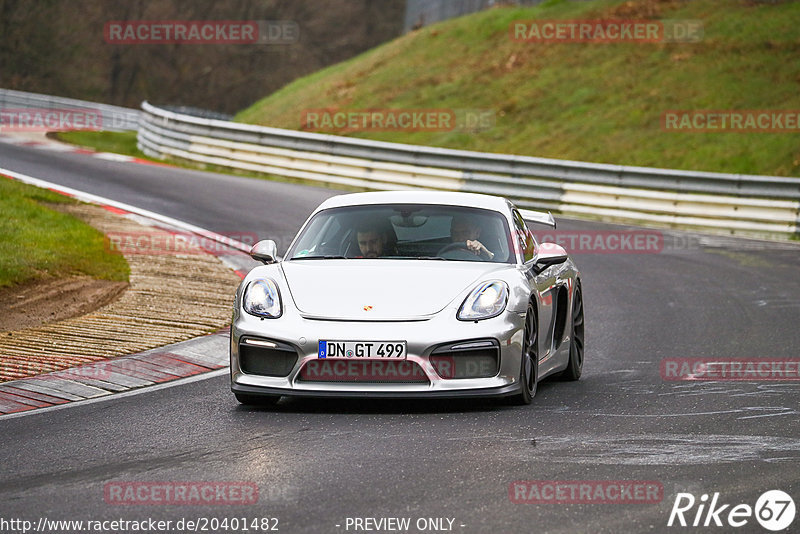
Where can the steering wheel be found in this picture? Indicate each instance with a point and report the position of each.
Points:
(461, 250)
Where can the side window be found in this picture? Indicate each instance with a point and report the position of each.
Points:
(524, 238)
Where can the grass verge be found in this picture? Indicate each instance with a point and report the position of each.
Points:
(116, 142)
(38, 241)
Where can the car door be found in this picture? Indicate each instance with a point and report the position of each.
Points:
(543, 285)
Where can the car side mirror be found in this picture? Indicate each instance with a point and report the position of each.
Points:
(265, 251)
(550, 254)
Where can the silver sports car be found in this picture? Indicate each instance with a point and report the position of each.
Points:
(408, 294)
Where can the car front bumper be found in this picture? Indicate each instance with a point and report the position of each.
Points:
(422, 337)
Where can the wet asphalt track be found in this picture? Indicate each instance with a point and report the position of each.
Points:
(316, 462)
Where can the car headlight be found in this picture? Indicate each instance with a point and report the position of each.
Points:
(485, 301)
(262, 298)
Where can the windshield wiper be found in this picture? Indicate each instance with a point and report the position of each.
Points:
(431, 258)
(320, 257)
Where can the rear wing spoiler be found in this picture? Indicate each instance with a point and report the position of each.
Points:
(539, 217)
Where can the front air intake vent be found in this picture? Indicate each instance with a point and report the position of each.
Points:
(478, 358)
(266, 358)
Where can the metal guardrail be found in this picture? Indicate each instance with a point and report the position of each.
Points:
(113, 118)
(728, 203)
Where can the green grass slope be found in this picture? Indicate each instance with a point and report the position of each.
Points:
(599, 102)
(37, 241)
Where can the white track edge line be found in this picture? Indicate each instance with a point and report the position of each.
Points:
(95, 199)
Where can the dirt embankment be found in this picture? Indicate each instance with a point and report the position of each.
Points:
(56, 324)
(45, 301)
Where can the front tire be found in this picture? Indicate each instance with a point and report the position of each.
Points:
(529, 361)
(575, 364)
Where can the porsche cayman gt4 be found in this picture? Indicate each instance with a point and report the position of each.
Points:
(408, 294)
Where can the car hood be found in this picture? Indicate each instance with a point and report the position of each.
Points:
(380, 290)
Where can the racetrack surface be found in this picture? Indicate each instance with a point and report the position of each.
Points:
(318, 462)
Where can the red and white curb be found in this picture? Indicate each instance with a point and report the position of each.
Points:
(165, 364)
(106, 377)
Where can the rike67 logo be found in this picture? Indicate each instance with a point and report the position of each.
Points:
(774, 510)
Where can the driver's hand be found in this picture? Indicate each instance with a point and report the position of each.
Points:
(477, 247)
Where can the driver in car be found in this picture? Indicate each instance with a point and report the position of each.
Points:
(464, 230)
(373, 240)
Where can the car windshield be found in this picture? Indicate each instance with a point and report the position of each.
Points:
(404, 231)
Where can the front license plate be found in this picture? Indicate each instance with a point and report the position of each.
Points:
(362, 350)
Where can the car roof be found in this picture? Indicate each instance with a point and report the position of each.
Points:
(448, 198)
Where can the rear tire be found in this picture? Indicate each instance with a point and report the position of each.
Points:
(257, 400)
(575, 364)
(529, 361)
